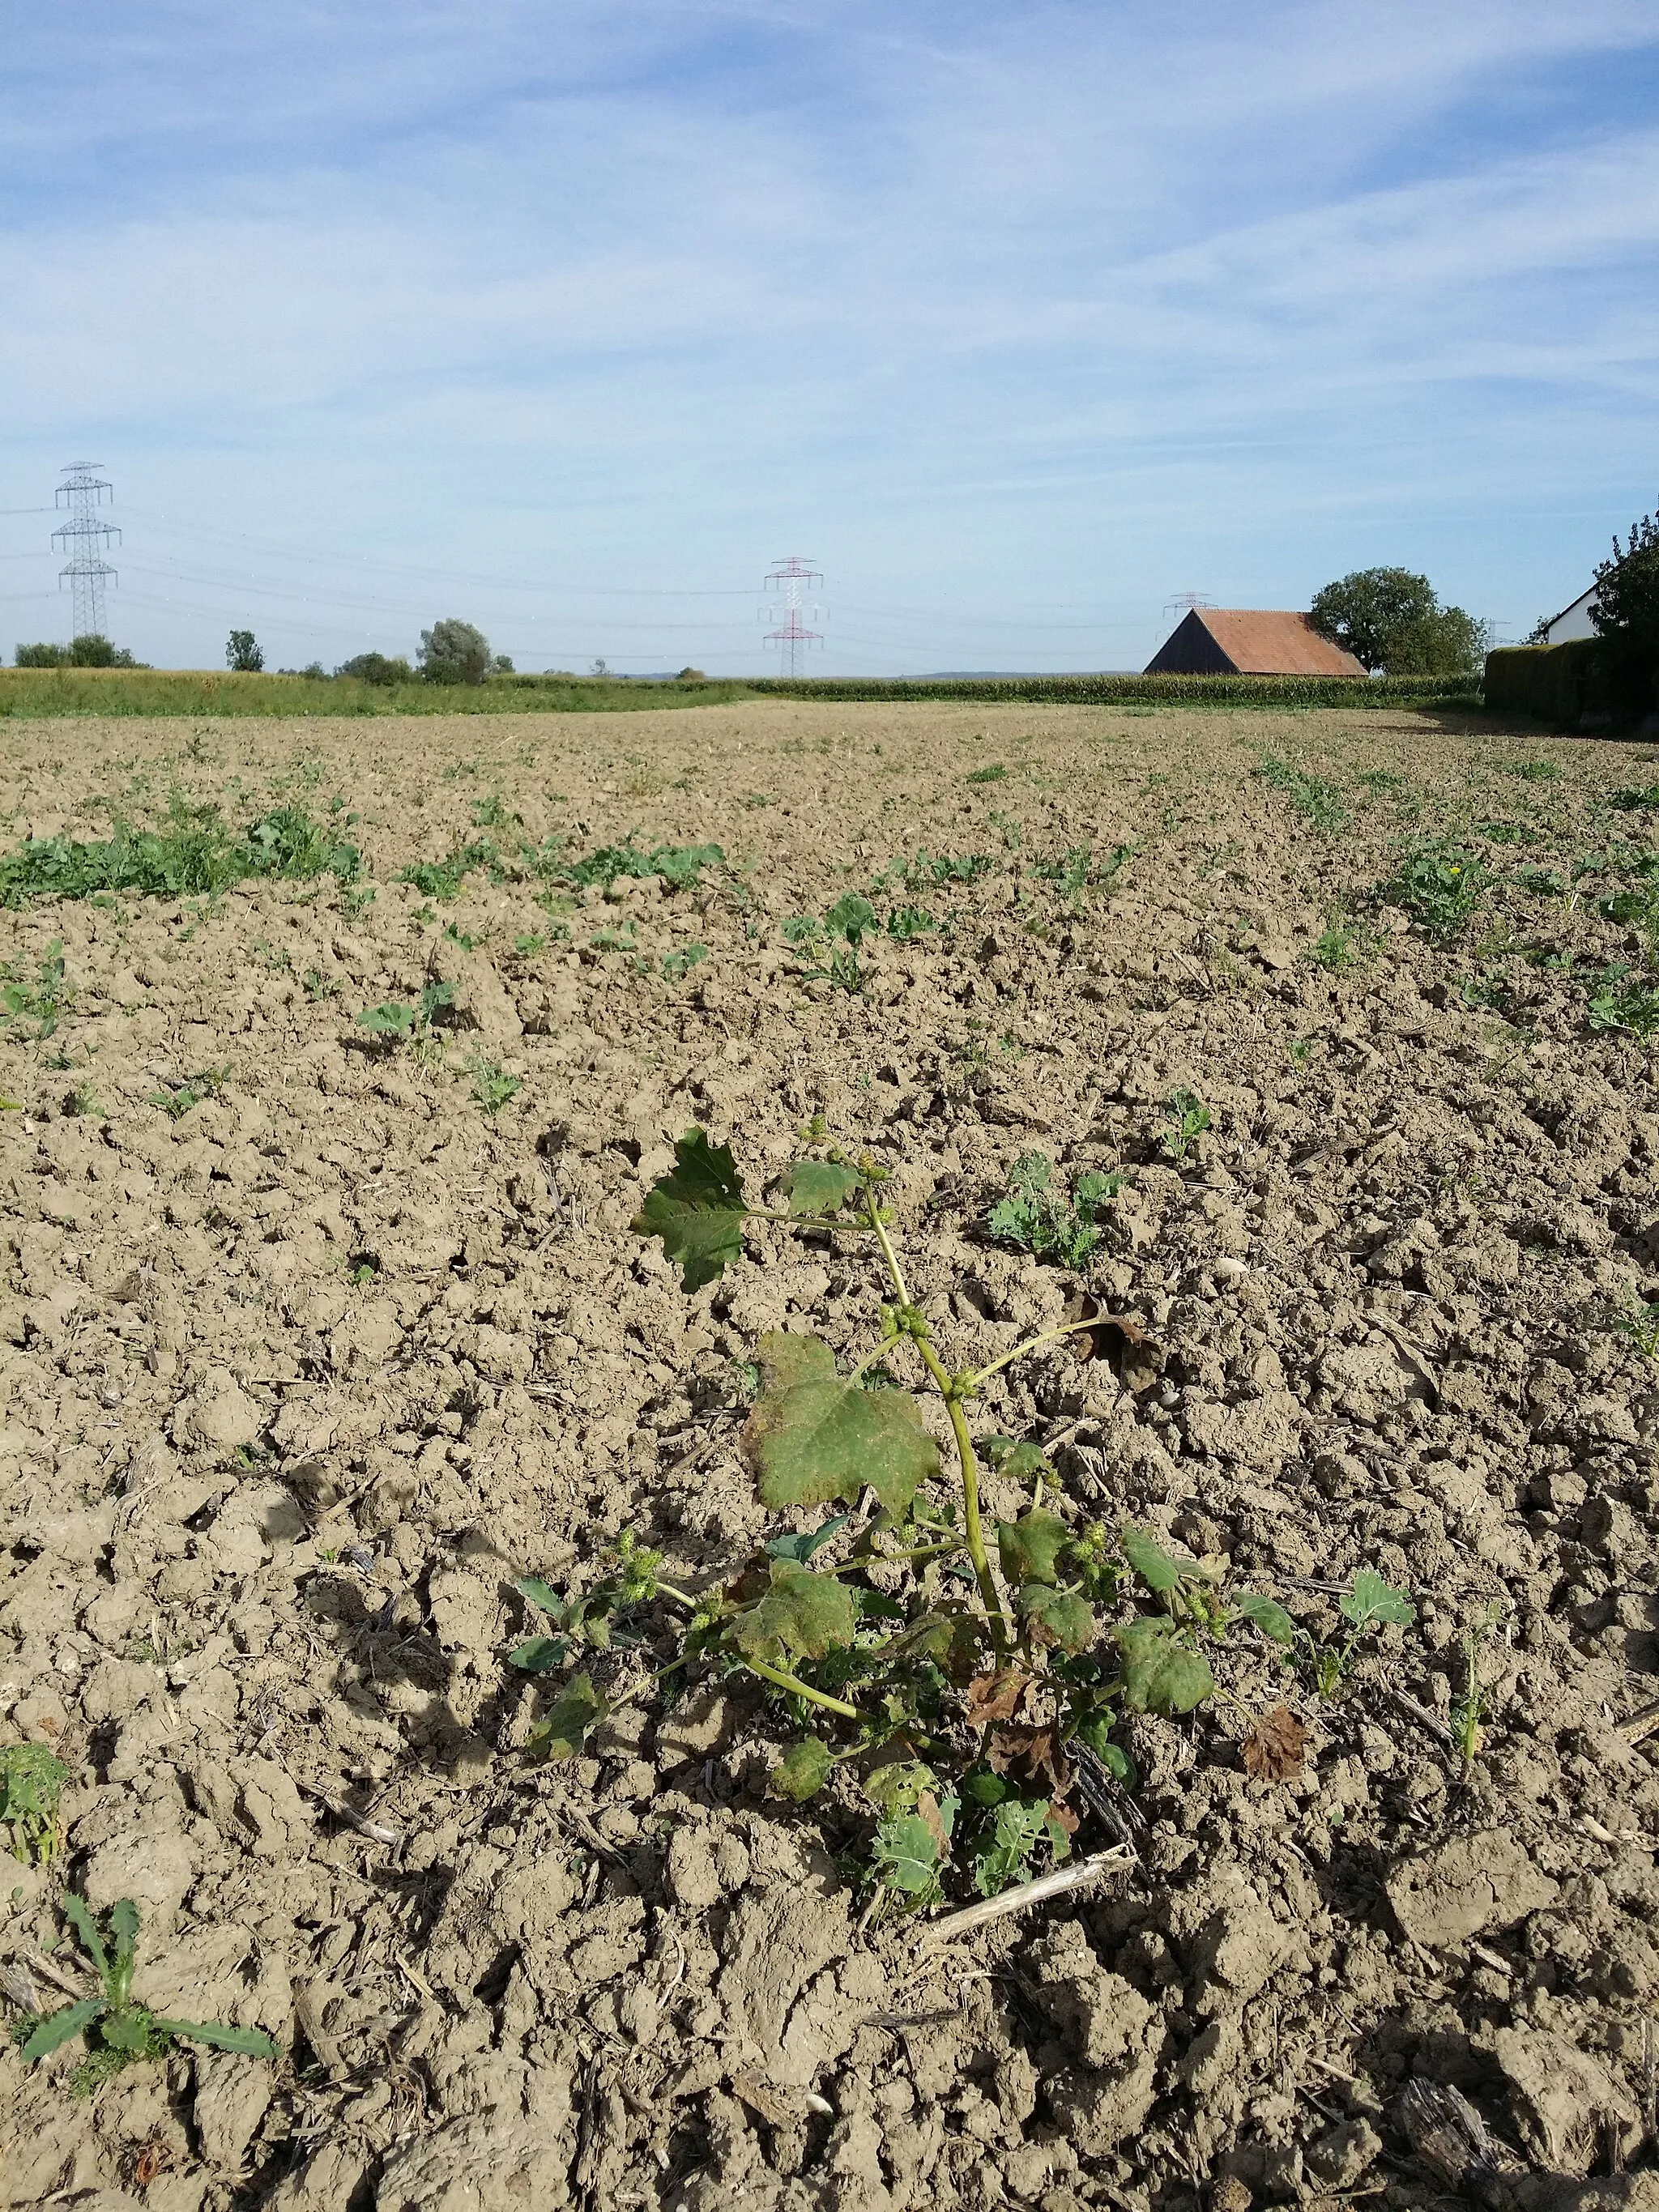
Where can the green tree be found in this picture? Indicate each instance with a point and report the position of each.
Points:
(1447, 642)
(1390, 619)
(242, 652)
(375, 668)
(90, 650)
(454, 652)
(1626, 612)
(42, 656)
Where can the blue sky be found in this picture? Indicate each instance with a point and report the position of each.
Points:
(1016, 320)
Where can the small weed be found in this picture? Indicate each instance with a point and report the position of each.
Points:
(318, 987)
(116, 2031)
(1189, 1117)
(276, 958)
(1319, 804)
(1505, 832)
(397, 1022)
(1617, 1001)
(1636, 798)
(492, 1086)
(1440, 884)
(459, 937)
(1531, 771)
(1301, 1049)
(42, 1002)
(424, 916)
(677, 966)
(993, 774)
(1341, 945)
(1470, 1713)
(528, 943)
(30, 1781)
(179, 1101)
(490, 813)
(1044, 1221)
(1639, 1321)
(83, 1103)
(1383, 781)
(929, 872)
(614, 938)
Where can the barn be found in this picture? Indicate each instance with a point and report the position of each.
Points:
(1246, 642)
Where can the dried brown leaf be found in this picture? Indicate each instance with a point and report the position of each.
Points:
(995, 1697)
(1276, 1746)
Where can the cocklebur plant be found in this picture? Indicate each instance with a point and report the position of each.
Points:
(985, 1672)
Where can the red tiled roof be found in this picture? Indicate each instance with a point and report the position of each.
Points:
(1269, 643)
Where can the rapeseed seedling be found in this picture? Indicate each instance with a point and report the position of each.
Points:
(181, 1099)
(1319, 803)
(193, 852)
(492, 1086)
(1043, 1220)
(42, 1002)
(1189, 1117)
(399, 1022)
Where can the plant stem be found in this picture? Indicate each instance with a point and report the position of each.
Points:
(1049, 1336)
(972, 1531)
(800, 1689)
(949, 1389)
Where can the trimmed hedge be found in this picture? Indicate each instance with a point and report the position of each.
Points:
(1555, 684)
(1114, 690)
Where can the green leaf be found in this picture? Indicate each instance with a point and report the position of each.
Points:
(817, 1186)
(1003, 1854)
(130, 2029)
(1056, 1616)
(909, 1854)
(697, 1211)
(801, 1548)
(1028, 1547)
(802, 1769)
(537, 1655)
(1150, 1561)
(57, 2027)
(1268, 1615)
(252, 2041)
(541, 1595)
(559, 1734)
(79, 1915)
(1372, 1600)
(815, 1436)
(1160, 1673)
(802, 1616)
(389, 1020)
(850, 916)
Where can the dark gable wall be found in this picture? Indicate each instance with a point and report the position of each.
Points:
(1190, 651)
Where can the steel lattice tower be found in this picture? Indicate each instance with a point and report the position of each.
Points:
(84, 537)
(787, 578)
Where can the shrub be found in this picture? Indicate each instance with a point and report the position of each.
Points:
(242, 652)
(1555, 684)
(41, 656)
(374, 668)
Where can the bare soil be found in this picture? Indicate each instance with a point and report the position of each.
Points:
(296, 1382)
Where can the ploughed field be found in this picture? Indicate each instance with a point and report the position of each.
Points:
(1315, 1049)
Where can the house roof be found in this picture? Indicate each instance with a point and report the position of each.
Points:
(1266, 642)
